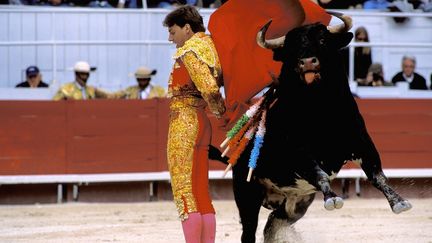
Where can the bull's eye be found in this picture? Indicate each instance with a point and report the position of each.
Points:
(301, 62)
(314, 60)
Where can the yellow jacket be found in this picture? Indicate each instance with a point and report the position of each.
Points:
(134, 92)
(72, 91)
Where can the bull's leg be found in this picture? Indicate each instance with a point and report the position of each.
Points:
(379, 180)
(370, 162)
(320, 180)
(287, 214)
(248, 197)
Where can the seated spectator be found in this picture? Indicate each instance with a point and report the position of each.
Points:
(144, 90)
(375, 76)
(82, 3)
(33, 79)
(376, 4)
(362, 56)
(170, 4)
(415, 80)
(416, 3)
(79, 90)
(339, 4)
(209, 3)
(92, 3)
(426, 6)
(51, 3)
(431, 81)
(400, 6)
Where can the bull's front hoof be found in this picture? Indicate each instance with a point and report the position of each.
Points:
(401, 207)
(333, 202)
(338, 202)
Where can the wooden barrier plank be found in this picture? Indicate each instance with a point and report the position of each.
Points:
(124, 154)
(32, 137)
(398, 106)
(406, 160)
(417, 122)
(402, 142)
(162, 133)
(112, 136)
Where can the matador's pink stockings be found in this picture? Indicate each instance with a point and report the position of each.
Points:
(199, 228)
(208, 232)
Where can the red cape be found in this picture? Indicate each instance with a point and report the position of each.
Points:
(246, 66)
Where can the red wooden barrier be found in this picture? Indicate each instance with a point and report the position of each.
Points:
(107, 136)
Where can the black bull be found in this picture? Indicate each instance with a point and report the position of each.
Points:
(313, 129)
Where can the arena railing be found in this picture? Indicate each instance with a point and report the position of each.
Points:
(154, 41)
(152, 177)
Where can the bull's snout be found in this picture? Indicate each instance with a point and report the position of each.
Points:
(309, 68)
(309, 64)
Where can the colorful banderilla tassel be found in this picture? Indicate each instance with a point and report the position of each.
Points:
(242, 121)
(235, 140)
(240, 148)
(259, 138)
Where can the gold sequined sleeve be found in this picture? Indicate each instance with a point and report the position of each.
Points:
(205, 82)
(101, 94)
(59, 95)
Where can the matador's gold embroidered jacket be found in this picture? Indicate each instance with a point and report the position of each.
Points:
(193, 85)
(71, 91)
(133, 92)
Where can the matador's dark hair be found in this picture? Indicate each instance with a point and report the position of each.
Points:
(185, 15)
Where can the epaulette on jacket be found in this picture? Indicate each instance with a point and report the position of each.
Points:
(202, 49)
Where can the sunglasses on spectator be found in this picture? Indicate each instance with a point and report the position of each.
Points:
(143, 79)
(361, 39)
(80, 73)
(32, 76)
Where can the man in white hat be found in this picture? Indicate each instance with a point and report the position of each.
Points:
(144, 90)
(79, 90)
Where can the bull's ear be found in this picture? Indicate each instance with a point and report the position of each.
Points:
(341, 40)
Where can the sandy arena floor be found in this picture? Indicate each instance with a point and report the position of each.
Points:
(360, 220)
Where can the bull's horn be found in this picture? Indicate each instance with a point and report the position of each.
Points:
(269, 44)
(345, 27)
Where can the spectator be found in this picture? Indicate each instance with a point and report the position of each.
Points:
(362, 56)
(144, 90)
(376, 4)
(209, 3)
(170, 4)
(426, 6)
(91, 3)
(33, 79)
(415, 80)
(400, 6)
(339, 4)
(375, 76)
(51, 3)
(79, 90)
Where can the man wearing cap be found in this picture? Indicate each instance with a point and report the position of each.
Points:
(144, 90)
(79, 90)
(33, 79)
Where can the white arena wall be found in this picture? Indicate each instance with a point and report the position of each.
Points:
(118, 41)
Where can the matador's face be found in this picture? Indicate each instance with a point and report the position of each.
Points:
(179, 35)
